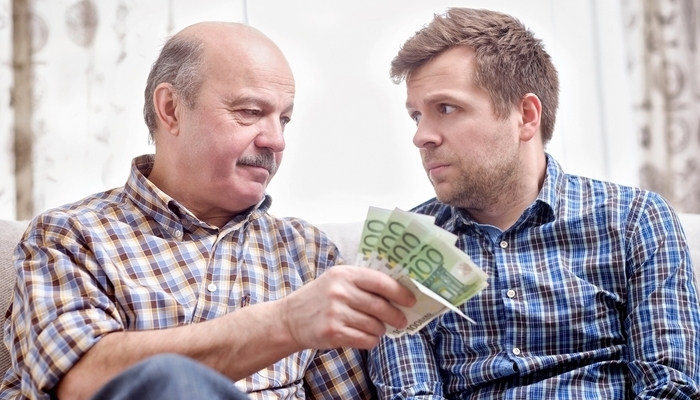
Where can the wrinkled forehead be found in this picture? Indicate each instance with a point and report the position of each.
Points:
(251, 75)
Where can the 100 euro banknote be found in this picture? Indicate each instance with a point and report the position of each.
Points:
(422, 257)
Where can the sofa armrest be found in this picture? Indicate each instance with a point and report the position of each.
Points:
(10, 233)
(691, 227)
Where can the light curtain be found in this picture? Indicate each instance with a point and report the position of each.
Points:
(89, 63)
(663, 53)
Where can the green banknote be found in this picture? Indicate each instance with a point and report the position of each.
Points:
(417, 233)
(445, 270)
(428, 307)
(381, 259)
(373, 226)
(421, 256)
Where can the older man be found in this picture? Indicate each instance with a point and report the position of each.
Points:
(185, 258)
(591, 293)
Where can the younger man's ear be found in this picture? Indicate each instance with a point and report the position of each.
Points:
(166, 104)
(531, 112)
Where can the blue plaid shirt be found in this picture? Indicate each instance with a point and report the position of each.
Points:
(591, 296)
(132, 258)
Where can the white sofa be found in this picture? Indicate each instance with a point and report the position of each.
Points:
(345, 235)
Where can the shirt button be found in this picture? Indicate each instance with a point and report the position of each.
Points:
(504, 244)
(178, 233)
(511, 293)
(211, 287)
(516, 351)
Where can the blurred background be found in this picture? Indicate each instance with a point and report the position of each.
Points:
(72, 74)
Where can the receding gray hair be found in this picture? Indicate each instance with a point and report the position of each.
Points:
(179, 64)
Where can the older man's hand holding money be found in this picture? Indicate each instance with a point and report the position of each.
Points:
(350, 306)
(421, 256)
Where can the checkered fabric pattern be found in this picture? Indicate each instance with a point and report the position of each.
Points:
(591, 296)
(132, 258)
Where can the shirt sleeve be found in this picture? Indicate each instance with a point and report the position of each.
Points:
(663, 314)
(405, 367)
(59, 310)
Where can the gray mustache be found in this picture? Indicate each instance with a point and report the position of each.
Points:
(264, 160)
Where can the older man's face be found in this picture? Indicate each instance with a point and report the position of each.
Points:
(233, 137)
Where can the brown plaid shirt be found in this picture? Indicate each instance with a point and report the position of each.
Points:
(132, 258)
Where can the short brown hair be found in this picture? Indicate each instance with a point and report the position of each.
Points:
(510, 61)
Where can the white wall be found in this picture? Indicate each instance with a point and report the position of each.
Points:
(349, 144)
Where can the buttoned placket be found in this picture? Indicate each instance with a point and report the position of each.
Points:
(223, 274)
(220, 273)
(513, 304)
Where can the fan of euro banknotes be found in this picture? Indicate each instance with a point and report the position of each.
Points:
(421, 256)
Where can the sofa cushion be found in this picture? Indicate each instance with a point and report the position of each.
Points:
(346, 236)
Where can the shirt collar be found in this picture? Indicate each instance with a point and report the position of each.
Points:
(542, 210)
(168, 212)
(554, 180)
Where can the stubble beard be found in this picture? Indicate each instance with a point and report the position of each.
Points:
(483, 184)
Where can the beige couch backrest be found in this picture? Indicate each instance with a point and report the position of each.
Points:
(345, 235)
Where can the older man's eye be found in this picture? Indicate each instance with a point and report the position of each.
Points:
(247, 116)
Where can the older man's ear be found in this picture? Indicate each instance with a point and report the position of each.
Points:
(167, 105)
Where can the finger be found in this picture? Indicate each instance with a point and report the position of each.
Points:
(328, 308)
(385, 286)
(358, 339)
(343, 326)
(377, 307)
(358, 321)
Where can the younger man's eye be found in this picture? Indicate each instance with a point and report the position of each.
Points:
(447, 109)
(415, 117)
